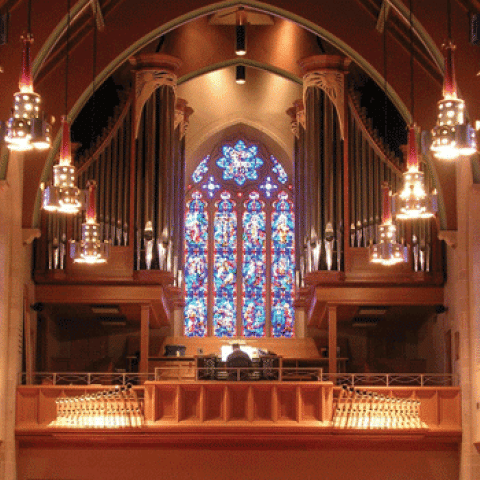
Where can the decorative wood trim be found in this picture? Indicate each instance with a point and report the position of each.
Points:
(285, 419)
(151, 71)
(449, 236)
(327, 72)
(401, 295)
(86, 294)
(292, 113)
(144, 338)
(30, 234)
(182, 116)
(332, 339)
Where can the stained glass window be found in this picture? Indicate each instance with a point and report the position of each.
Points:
(211, 187)
(225, 272)
(240, 162)
(239, 249)
(254, 267)
(268, 187)
(201, 170)
(283, 266)
(279, 170)
(196, 267)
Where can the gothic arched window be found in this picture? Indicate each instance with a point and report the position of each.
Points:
(239, 245)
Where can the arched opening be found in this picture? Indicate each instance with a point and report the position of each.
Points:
(239, 246)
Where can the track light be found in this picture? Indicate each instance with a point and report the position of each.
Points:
(240, 74)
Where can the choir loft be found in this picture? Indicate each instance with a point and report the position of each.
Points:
(239, 239)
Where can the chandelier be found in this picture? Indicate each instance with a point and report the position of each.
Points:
(413, 201)
(387, 251)
(26, 128)
(63, 196)
(452, 135)
(90, 249)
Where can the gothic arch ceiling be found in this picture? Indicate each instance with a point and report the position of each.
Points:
(261, 103)
(352, 22)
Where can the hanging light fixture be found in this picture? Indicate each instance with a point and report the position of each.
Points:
(240, 34)
(240, 77)
(453, 136)
(413, 201)
(63, 196)
(27, 129)
(387, 251)
(90, 249)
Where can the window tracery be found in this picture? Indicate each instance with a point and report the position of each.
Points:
(243, 227)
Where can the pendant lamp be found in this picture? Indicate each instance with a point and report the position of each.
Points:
(27, 128)
(452, 136)
(90, 249)
(387, 251)
(63, 196)
(413, 201)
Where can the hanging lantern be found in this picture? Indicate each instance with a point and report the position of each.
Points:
(90, 249)
(453, 135)
(26, 129)
(387, 251)
(63, 196)
(413, 201)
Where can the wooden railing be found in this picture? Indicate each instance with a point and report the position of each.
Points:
(254, 404)
(189, 374)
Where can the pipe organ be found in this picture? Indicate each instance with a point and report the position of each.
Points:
(340, 164)
(339, 161)
(139, 166)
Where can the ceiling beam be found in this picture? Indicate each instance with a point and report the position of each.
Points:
(101, 294)
(383, 16)
(97, 13)
(378, 296)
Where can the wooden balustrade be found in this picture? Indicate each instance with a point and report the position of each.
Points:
(259, 404)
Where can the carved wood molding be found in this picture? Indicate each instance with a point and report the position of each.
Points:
(297, 117)
(327, 72)
(292, 113)
(30, 234)
(449, 236)
(151, 71)
(182, 116)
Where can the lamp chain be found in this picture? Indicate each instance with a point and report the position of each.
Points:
(449, 19)
(29, 17)
(385, 89)
(94, 71)
(412, 88)
(67, 56)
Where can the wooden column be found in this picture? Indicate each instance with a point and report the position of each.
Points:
(144, 338)
(27, 329)
(332, 339)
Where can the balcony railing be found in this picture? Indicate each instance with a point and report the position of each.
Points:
(235, 374)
